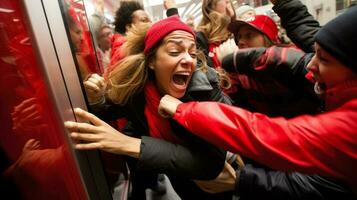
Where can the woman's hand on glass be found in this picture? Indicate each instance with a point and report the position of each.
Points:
(95, 87)
(168, 106)
(100, 135)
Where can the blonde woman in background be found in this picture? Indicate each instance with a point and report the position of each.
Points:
(212, 30)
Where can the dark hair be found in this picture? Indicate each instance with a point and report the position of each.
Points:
(123, 15)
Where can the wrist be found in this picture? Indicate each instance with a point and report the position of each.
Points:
(97, 101)
(132, 147)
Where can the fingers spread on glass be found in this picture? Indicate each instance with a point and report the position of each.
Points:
(89, 117)
(98, 135)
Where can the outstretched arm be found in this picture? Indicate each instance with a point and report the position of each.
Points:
(155, 155)
(308, 144)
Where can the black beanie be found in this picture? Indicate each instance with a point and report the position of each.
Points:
(339, 38)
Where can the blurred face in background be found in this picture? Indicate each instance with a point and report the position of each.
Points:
(174, 63)
(140, 16)
(76, 36)
(248, 37)
(104, 39)
(224, 7)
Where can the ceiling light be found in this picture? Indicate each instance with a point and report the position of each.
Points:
(5, 10)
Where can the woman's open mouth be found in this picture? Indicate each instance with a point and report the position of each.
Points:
(181, 79)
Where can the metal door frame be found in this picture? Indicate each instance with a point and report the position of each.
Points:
(50, 41)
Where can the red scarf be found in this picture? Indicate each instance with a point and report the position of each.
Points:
(159, 127)
(212, 54)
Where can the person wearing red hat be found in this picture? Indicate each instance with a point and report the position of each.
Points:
(256, 31)
(258, 90)
(162, 61)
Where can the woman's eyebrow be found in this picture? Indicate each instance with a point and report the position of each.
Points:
(179, 42)
(176, 41)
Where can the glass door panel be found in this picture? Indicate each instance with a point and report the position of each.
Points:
(36, 157)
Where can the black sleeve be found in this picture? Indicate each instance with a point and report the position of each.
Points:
(193, 162)
(261, 183)
(300, 25)
(215, 92)
(172, 11)
(273, 61)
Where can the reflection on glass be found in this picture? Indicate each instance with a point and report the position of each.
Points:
(90, 31)
(104, 43)
(100, 19)
(35, 158)
(81, 39)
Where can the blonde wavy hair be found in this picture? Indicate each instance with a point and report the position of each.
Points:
(131, 74)
(214, 24)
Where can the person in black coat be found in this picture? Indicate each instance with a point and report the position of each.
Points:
(162, 61)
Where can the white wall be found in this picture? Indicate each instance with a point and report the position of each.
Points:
(322, 10)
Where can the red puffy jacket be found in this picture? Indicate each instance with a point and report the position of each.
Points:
(324, 144)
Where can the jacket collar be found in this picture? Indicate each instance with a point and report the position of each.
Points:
(340, 94)
(201, 81)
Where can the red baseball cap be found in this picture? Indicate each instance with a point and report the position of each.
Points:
(261, 23)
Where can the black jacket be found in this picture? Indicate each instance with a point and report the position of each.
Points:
(272, 81)
(194, 159)
(300, 25)
(261, 183)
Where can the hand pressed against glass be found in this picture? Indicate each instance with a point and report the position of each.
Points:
(101, 136)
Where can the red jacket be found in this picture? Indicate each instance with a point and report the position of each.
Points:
(116, 54)
(324, 144)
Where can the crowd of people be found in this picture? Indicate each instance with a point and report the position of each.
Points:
(226, 109)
